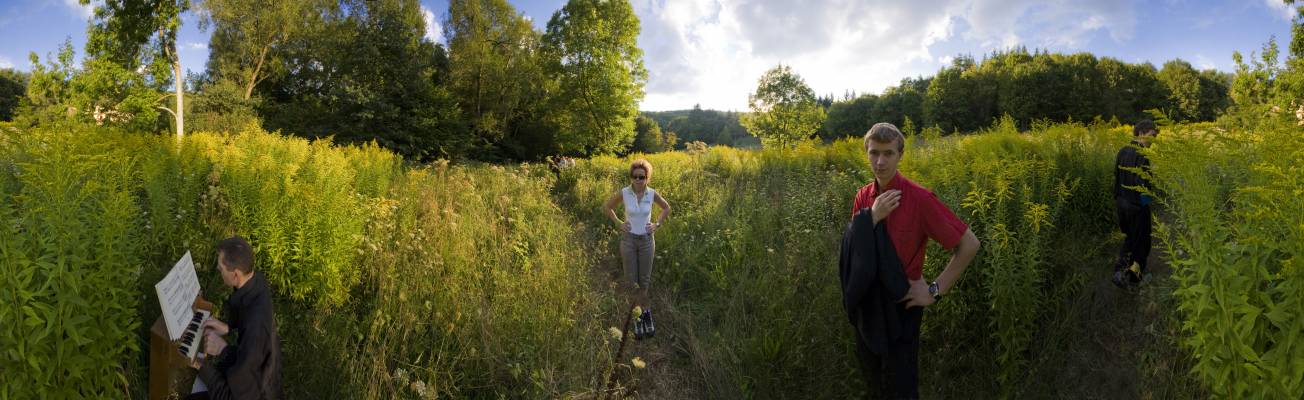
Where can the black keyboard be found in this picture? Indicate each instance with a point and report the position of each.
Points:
(188, 345)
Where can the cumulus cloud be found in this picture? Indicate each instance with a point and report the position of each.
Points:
(82, 11)
(1280, 9)
(196, 46)
(5, 63)
(713, 51)
(434, 32)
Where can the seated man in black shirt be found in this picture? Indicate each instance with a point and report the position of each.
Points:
(251, 368)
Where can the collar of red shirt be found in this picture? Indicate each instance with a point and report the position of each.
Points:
(893, 183)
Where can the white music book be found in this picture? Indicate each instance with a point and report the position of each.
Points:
(176, 294)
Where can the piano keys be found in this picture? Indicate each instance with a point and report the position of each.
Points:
(190, 341)
(169, 361)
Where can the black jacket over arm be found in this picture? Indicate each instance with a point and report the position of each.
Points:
(872, 281)
(251, 367)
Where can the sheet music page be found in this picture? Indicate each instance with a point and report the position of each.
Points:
(176, 294)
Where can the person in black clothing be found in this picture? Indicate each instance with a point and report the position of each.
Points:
(251, 368)
(1132, 206)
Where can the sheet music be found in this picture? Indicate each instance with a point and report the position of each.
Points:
(176, 294)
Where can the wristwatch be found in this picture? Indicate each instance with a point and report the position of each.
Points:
(935, 290)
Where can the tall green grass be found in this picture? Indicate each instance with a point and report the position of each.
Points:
(1237, 243)
(750, 253)
(488, 281)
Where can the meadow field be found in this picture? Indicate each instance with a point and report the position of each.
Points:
(472, 280)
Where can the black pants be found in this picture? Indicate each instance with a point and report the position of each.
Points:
(894, 375)
(1134, 221)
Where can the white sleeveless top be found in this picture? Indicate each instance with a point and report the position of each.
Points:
(638, 212)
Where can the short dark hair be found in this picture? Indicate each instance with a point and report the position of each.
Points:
(885, 132)
(237, 254)
(1144, 126)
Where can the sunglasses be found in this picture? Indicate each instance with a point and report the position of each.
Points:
(638, 177)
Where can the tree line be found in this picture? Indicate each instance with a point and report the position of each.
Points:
(501, 89)
(359, 70)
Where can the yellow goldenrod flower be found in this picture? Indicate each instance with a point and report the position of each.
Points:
(638, 363)
(615, 333)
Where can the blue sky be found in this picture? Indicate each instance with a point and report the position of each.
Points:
(711, 52)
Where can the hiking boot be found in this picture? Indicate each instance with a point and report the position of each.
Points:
(1118, 279)
(650, 328)
(1134, 273)
(638, 328)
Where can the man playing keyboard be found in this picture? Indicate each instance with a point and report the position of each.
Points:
(250, 368)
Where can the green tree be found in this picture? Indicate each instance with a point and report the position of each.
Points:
(960, 97)
(849, 118)
(49, 90)
(495, 71)
(13, 87)
(365, 73)
(126, 35)
(648, 137)
(247, 35)
(593, 54)
(783, 109)
(1195, 95)
(901, 101)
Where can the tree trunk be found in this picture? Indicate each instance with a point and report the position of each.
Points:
(181, 111)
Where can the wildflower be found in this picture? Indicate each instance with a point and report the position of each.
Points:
(769, 249)
(638, 310)
(400, 375)
(420, 388)
(615, 333)
(638, 363)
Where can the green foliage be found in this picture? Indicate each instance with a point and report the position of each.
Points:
(71, 257)
(13, 86)
(497, 72)
(300, 204)
(246, 45)
(784, 111)
(1195, 96)
(849, 118)
(755, 233)
(648, 137)
(479, 289)
(707, 126)
(220, 107)
(592, 49)
(367, 75)
(48, 91)
(1236, 245)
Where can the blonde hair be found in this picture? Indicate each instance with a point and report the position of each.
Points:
(641, 164)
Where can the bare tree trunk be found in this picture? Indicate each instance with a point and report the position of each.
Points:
(181, 111)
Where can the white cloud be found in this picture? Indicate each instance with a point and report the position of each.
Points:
(5, 63)
(712, 51)
(1280, 9)
(196, 46)
(434, 32)
(82, 11)
(1202, 62)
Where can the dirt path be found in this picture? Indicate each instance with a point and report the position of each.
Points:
(1121, 343)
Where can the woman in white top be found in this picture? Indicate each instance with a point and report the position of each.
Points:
(637, 243)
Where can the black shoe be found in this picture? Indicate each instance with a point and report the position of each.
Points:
(1118, 279)
(1134, 273)
(649, 327)
(638, 328)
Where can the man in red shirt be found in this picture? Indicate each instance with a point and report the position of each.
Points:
(913, 215)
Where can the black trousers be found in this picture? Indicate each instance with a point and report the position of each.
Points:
(894, 375)
(1134, 221)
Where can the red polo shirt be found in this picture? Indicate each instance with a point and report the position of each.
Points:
(918, 217)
